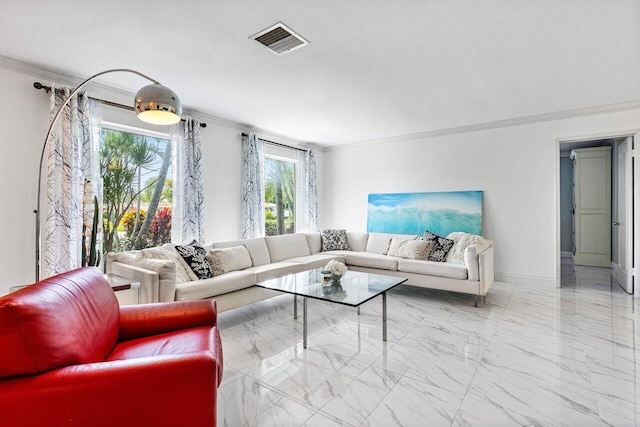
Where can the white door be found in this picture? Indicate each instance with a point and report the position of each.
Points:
(592, 172)
(623, 226)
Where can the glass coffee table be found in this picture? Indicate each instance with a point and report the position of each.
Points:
(355, 288)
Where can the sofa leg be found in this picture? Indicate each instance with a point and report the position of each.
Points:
(475, 302)
(484, 299)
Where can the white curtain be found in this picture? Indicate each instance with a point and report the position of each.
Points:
(307, 193)
(252, 187)
(73, 177)
(188, 195)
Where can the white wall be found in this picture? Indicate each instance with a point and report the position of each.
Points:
(514, 166)
(24, 121)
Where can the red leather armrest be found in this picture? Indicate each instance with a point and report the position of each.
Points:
(138, 321)
(159, 391)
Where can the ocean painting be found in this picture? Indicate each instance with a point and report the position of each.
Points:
(413, 213)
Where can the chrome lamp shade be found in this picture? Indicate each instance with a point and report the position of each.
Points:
(158, 105)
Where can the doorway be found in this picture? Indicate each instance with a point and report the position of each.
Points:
(621, 230)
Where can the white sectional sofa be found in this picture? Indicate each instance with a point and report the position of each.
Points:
(164, 275)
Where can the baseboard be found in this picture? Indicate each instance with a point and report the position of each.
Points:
(566, 254)
(524, 279)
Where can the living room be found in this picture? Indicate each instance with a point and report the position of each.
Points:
(459, 97)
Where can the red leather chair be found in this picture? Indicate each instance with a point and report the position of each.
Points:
(69, 355)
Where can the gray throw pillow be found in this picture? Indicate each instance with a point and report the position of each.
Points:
(334, 240)
(441, 246)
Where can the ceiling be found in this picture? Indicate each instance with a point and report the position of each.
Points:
(373, 69)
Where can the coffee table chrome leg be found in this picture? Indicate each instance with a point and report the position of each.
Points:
(384, 316)
(304, 322)
(295, 306)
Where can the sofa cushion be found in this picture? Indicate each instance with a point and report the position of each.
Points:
(287, 246)
(68, 319)
(314, 241)
(441, 246)
(196, 257)
(334, 240)
(168, 252)
(431, 268)
(357, 241)
(257, 249)
(276, 269)
(461, 242)
(410, 249)
(316, 260)
(367, 259)
(378, 243)
(224, 260)
(217, 285)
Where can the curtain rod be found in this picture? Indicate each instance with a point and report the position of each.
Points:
(278, 144)
(47, 89)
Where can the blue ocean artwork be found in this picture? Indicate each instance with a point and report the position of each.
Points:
(413, 213)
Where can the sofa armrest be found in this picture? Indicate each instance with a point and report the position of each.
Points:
(151, 319)
(149, 280)
(161, 390)
(486, 264)
(471, 260)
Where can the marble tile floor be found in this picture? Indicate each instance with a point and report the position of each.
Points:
(532, 356)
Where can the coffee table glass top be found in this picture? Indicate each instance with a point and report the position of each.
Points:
(354, 289)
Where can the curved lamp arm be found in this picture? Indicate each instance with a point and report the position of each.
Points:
(46, 141)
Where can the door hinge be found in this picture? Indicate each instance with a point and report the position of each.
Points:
(633, 152)
(634, 271)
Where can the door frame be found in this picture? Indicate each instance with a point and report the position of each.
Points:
(636, 197)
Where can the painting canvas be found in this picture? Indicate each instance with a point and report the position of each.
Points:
(413, 213)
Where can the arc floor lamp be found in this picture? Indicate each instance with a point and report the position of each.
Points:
(154, 103)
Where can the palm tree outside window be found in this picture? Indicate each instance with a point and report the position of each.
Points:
(279, 196)
(137, 190)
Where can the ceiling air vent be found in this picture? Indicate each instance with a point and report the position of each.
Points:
(279, 39)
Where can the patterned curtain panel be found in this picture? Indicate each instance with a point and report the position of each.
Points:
(307, 193)
(73, 178)
(188, 195)
(252, 187)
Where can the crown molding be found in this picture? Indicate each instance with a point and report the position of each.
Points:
(124, 96)
(517, 121)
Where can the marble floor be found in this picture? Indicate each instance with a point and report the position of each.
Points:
(533, 355)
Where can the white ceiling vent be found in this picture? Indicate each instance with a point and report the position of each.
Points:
(279, 39)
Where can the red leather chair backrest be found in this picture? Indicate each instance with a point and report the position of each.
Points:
(68, 319)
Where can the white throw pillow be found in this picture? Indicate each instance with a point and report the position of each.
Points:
(462, 240)
(410, 249)
(224, 260)
(169, 253)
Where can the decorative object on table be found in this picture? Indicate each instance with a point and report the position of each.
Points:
(154, 104)
(326, 277)
(412, 213)
(337, 270)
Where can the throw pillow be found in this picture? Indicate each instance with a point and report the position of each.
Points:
(228, 259)
(183, 272)
(334, 240)
(441, 246)
(410, 249)
(462, 241)
(195, 256)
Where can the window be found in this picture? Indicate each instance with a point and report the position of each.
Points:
(137, 188)
(279, 195)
